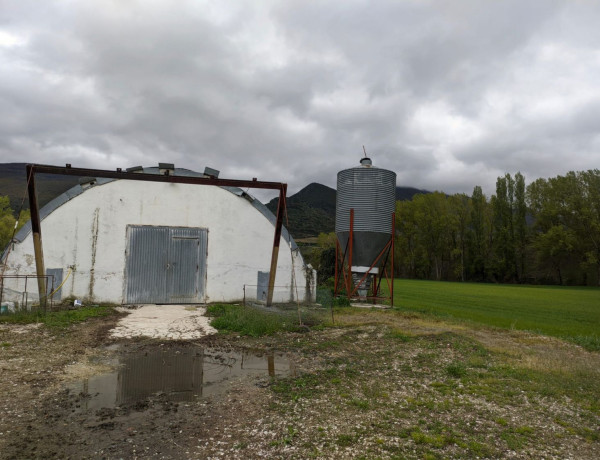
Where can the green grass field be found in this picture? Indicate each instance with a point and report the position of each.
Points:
(572, 313)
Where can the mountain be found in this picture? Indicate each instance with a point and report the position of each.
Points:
(407, 193)
(13, 182)
(312, 210)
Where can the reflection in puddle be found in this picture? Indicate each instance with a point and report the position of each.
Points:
(182, 374)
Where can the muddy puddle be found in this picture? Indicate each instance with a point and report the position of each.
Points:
(179, 374)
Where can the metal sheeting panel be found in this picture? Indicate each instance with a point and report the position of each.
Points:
(371, 192)
(262, 286)
(147, 264)
(58, 279)
(166, 264)
(187, 268)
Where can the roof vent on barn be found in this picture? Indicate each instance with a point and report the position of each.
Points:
(212, 173)
(166, 169)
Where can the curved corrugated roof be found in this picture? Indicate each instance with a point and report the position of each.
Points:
(79, 189)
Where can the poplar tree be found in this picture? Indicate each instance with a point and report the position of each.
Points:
(478, 235)
(520, 226)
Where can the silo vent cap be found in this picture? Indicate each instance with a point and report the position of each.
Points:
(366, 161)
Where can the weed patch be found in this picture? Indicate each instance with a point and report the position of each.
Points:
(58, 319)
(250, 321)
(456, 370)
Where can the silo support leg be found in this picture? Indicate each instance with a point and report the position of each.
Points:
(386, 248)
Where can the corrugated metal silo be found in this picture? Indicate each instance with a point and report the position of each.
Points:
(368, 194)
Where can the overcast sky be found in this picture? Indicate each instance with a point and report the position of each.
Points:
(448, 94)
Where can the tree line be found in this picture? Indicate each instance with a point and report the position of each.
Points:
(547, 232)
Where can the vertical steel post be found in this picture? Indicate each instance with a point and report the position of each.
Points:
(271, 364)
(36, 231)
(350, 245)
(337, 249)
(275, 254)
(393, 238)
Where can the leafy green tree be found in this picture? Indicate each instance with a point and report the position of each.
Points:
(409, 257)
(509, 228)
(322, 256)
(434, 220)
(7, 221)
(590, 214)
(503, 242)
(478, 235)
(554, 248)
(459, 221)
(566, 212)
(520, 226)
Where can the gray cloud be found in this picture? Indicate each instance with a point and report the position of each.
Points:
(448, 94)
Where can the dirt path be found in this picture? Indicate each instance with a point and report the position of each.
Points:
(174, 322)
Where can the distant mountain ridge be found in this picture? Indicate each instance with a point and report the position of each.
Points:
(312, 210)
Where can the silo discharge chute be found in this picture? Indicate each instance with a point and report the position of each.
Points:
(364, 226)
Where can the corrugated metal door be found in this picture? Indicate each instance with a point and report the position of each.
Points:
(262, 286)
(185, 274)
(53, 283)
(165, 264)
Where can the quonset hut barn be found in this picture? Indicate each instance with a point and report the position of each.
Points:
(131, 242)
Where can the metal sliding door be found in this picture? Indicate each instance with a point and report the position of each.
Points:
(165, 264)
(187, 265)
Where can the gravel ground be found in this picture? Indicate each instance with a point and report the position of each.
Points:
(378, 385)
(174, 322)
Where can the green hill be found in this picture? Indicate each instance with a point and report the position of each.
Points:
(312, 210)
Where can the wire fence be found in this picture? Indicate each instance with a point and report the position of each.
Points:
(19, 293)
(307, 308)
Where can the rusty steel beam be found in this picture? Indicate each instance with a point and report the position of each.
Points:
(276, 240)
(350, 248)
(36, 230)
(337, 249)
(32, 169)
(85, 172)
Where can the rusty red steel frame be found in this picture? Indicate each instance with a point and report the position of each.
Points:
(345, 270)
(36, 229)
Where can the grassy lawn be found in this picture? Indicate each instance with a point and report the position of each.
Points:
(572, 313)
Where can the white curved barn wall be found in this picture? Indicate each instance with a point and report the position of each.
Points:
(89, 232)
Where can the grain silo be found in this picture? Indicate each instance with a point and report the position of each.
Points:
(364, 225)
